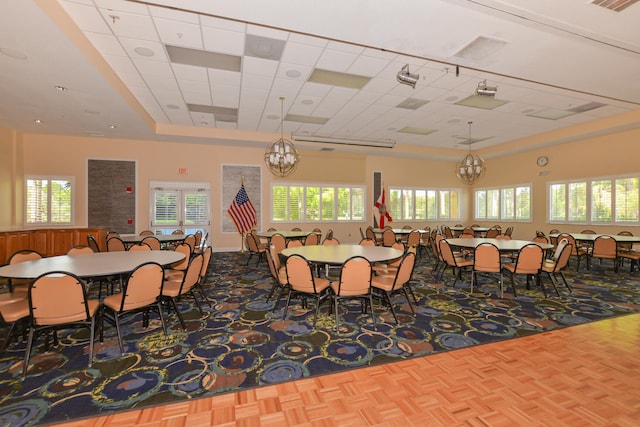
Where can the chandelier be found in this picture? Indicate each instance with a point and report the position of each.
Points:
(471, 167)
(281, 157)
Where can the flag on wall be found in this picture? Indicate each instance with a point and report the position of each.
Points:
(382, 210)
(242, 212)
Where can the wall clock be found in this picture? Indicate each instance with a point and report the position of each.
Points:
(542, 161)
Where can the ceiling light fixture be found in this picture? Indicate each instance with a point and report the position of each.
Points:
(471, 167)
(406, 78)
(355, 142)
(484, 90)
(281, 157)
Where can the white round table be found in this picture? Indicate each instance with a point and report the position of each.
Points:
(89, 265)
(338, 254)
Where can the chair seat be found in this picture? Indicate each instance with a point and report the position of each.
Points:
(18, 294)
(170, 275)
(464, 262)
(15, 310)
(321, 284)
(548, 266)
(115, 301)
(383, 282)
(171, 288)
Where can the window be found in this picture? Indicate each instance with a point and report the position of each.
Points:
(595, 201)
(423, 204)
(297, 202)
(183, 205)
(511, 203)
(49, 200)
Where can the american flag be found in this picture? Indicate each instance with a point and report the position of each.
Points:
(242, 212)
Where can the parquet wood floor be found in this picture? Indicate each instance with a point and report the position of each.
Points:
(587, 375)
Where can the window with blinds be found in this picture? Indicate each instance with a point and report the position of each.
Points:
(295, 202)
(512, 203)
(423, 204)
(48, 200)
(595, 201)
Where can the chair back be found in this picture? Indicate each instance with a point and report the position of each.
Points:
(93, 244)
(540, 239)
(587, 232)
(331, 241)
(57, 298)
(414, 238)
(405, 270)
(355, 277)
(177, 231)
(401, 247)
(252, 244)
(492, 233)
(24, 255)
(279, 242)
(329, 234)
(192, 275)
(198, 236)
(562, 259)
(508, 231)
(370, 234)
(529, 259)
(468, 236)
(152, 242)
(190, 240)
(146, 233)
(143, 287)
(446, 231)
(115, 244)
(296, 229)
(559, 248)
(571, 240)
(318, 233)
(446, 252)
(435, 245)
(367, 242)
(111, 234)
(186, 251)
(604, 247)
(79, 249)
(388, 237)
(311, 239)
(487, 258)
(503, 237)
(299, 274)
(139, 247)
(273, 268)
(294, 243)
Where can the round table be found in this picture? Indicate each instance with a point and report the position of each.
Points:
(338, 254)
(89, 265)
(503, 245)
(163, 238)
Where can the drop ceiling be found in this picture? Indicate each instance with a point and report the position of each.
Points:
(192, 70)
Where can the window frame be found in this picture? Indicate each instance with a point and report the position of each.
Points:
(499, 208)
(430, 196)
(314, 198)
(49, 179)
(589, 182)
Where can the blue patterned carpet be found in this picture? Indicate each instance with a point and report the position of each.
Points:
(241, 343)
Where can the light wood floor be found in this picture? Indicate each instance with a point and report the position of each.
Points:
(587, 375)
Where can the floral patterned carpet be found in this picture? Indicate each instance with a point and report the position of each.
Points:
(242, 342)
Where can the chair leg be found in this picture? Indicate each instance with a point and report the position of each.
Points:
(335, 301)
(564, 279)
(117, 323)
(91, 338)
(27, 352)
(404, 288)
(553, 282)
(286, 307)
(175, 307)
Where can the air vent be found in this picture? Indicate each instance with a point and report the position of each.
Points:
(615, 5)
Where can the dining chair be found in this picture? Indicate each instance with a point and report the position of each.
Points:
(331, 241)
(435, 249)
(79, 249)
(370, 234)
(604, 247)
(18, 257)
(508, 231)
(115, 244)
(175, 288)
(528, 263)
(576, 251)
(296, 229)
(146, 233)
(14, 308)
(367, 242)
(425, 242)
(176, 271)
(391, 266)
(278, 240)
(190, 240)
(492, 233)
(153, 242)
(446, 232)
(255, 248)
(388, 237)
(139, 247)
(294, 243)
(302, 283)
(354, 283)
(387, 285)
(207, 253)
(413, 239)
(311, 239)
(111, 234)
(140, 292)
(457, 263)
(278, 274)
(270, 229)
(198, 242)
(557, 264)
(59, 299)
(93, 243)
(177, 231)
(318, 234)
(487, 259)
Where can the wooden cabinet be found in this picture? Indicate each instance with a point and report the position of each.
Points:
(48, 242)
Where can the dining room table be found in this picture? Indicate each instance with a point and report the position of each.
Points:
(477, 231)
(503, 245)
(338, 254)
(91, 265)
(590, 237)
(165, 239)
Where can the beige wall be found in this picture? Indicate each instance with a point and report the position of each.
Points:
(612, 154)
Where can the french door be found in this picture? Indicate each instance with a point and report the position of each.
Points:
(180, 206)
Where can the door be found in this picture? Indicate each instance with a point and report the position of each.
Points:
(186, 209)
